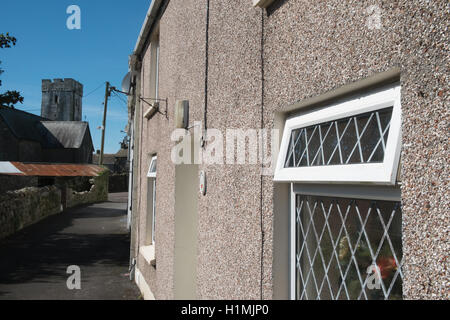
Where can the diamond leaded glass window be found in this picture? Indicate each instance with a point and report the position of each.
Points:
(358, 139)
(347, 248)
(354, 140)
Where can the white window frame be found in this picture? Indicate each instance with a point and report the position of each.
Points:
(366, 173)
(152, 175)
(148, 251)
(149, 173)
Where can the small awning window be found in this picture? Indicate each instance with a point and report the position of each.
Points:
(152, 169)
(357, 141)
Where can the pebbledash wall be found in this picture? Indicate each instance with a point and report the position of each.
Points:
(261, 64)
(27, 206)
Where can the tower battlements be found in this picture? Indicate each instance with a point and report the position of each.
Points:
(62, 99)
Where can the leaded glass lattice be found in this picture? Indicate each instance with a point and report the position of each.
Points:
(338, 239)
(358, 139)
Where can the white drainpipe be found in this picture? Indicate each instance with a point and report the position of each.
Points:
(130, 177)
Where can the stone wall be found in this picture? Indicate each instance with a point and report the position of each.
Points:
(77, 184)
(97, 193)
(21, 208)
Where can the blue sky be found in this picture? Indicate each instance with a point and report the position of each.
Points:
(97, 53)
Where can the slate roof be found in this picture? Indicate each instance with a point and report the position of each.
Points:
(23, 125)
(122, 153)
(65, 134)
(108, 159)
(50, 134)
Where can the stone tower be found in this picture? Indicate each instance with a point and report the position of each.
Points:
(62, 100)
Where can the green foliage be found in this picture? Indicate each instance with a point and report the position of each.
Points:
(9, 98)
(105, 172)
(6, 41)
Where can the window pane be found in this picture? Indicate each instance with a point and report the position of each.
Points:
(358, 139)
(153, 166)
(348, 249)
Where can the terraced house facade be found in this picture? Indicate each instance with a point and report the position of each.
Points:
(333, 181)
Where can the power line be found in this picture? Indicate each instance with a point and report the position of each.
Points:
(120, 98)
(101, 85)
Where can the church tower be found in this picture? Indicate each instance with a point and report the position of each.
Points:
(62, 100)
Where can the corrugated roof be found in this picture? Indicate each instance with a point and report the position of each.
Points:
(51, 170)
(8, 168)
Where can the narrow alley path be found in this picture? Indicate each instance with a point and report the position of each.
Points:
(33, 262)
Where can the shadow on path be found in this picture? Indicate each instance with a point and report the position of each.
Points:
(34, 261)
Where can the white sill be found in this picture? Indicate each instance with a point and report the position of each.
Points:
(148, 252)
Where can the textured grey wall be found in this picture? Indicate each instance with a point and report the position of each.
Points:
(301, 49)
(181, 77)
(313, 47)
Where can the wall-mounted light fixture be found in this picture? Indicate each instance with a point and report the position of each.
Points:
(262, 3)
(154, 107)
(182, 114)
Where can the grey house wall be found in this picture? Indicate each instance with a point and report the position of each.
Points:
(261, 63)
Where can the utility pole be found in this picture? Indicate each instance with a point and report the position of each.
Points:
(107, 93)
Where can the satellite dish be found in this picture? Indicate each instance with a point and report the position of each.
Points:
(127, 81)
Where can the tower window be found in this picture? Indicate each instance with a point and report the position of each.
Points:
(56, 98)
